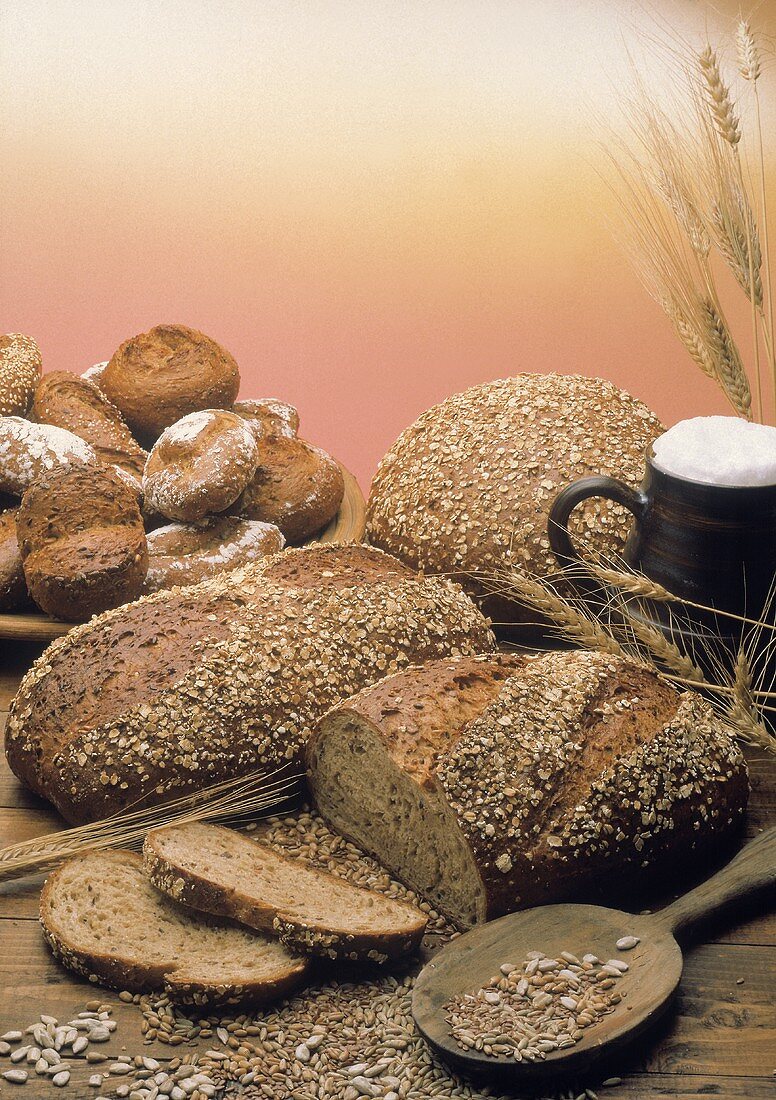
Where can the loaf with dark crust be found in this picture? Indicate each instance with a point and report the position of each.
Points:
(103, 919)
(578, 767)
(268, 416)
(187, 553)
(13, 588)
(28, 450)
(466, 490)
(296, 486)
(200, 465)
(159, 376)
(194, 685)
(82, 542)
(67, 401)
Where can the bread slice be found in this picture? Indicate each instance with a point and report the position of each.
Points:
(102, 918)
(222, 871)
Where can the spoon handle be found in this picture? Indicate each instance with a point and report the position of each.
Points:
(753, 869)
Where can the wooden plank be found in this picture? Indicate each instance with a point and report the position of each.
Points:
(667, 1087)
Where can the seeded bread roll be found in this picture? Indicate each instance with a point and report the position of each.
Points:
(582, 766)
(20, 367)
(468, 487)
(81, 541)
(27, 451)
(225, 873)
(13, 588)
(268, 416)
(296, 486)
(67, 401)
(187, 553)
(200, 465)
(159, 376)
(191, 686)
(102, 918)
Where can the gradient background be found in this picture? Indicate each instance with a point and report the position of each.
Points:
(371, 203)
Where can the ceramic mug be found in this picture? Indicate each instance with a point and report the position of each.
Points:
(713, 544)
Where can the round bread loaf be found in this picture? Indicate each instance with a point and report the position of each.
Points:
(20, 367)
(82, 541)
(187, 687)
(27, 451)
(546, 784)
(67, 401)
(159, 376)
(187, 553)
(268, 416)
(200, 465)
(296, 486)
(468, 487)
(13, 589)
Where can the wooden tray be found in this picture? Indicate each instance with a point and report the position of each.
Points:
(348, 526)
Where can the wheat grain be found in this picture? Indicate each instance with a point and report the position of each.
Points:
(730, 370)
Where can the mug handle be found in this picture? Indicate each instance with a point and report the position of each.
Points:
(574, 494)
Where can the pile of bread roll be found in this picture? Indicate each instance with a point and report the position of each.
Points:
(145, 472)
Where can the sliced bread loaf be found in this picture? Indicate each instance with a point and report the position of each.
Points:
(102, 918)
(574, 770)
(223, 872)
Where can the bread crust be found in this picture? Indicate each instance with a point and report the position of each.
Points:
(122, 971)
(467, 488)
(77, 404)
(244, 664)
(581, 765)
(200, 465)
(159, 376)
(296, 486)
(81, 541)
(188, 882)
(20, 367)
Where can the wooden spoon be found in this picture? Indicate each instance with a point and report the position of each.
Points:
(655, 964)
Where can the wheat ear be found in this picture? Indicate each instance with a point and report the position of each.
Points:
(250, 796)
(718, 97)
(743, 715)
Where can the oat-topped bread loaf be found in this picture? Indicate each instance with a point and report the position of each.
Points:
(20, 367)
(227, 874)
(468, 487)
(102, 918)
(194, 685)
(68, 401)
(578, 767)
(159, 376)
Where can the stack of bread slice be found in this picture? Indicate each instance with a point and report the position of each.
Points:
(213, 916)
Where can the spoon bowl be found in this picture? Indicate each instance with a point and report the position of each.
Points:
(647, 987)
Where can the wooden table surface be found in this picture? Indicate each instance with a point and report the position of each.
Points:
(720, 1042)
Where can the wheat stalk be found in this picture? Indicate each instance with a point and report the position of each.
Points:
(542, 597)
(748, 53)
(254, 795)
